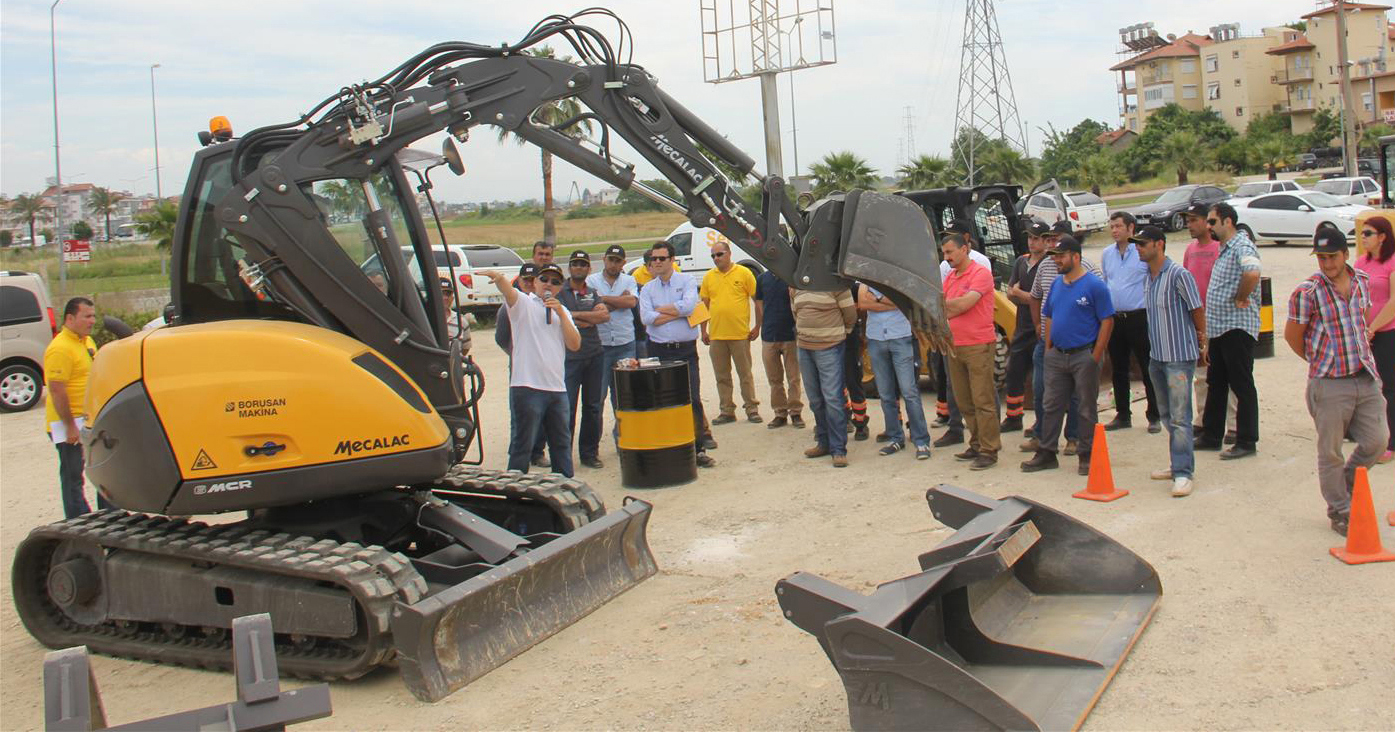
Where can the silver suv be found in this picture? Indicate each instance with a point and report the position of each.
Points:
(27, 324)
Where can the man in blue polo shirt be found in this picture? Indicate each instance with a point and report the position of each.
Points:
(1177, 332)
(1077, 318)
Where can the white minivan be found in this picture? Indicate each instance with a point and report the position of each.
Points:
(693, 247)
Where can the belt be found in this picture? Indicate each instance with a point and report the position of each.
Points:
(1077, 349)
(1121, 314)
(676, 344)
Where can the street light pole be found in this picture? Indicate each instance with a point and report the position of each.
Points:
(57, 166)
(155, 128)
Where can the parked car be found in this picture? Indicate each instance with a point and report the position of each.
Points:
(1306, 161)
(1086, 211)
(1361, 189)
(1295, 215)
(475, 291)
(1257, 188)
(693, 248)
(27, 324)
(1167, 210)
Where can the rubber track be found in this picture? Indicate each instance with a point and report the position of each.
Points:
(377, 579)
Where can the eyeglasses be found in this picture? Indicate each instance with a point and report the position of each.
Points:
(1368, 232)
(658, 259)
(550, 280)
(715, 255)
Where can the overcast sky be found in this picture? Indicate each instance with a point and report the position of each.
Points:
(268, 61)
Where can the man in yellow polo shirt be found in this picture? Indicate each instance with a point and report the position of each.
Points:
(67, 361)
(728, 291)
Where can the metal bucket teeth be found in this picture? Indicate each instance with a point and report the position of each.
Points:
(1017, 621)
(461, 633)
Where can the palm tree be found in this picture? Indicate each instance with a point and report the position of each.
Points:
(158, 224)
(929, 171)
(1183, 152)
(29, 206)
(1370, 136)
(551, 113)
(1004, 164)
(103, 203)
(343, 197)
(1270, 152)
(841, 171)
(1098, 170)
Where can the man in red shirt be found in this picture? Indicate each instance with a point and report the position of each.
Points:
(1199, 259)
(968, 290)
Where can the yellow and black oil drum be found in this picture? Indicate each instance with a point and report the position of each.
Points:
(1264, 348)
(655, 411)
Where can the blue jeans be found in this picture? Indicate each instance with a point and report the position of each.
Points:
(609, 356)
(539, 412)
(72, 483)
(1039, 395)
(823, 384)
(584, 387)
(1172, 380)
(893, 365)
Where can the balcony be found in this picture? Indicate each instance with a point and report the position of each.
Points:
(1126, 87)
(1161, 77)
(1293, 76)
(1296, 106)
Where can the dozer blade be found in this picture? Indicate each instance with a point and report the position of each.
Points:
(459, 634)
(1016, 622)
(887, 241)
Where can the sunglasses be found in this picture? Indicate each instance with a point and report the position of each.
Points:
(718, 254)
(1368, 232)
(658, 259)
(550, 280)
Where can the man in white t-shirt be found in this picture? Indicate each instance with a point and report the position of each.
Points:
(543, 332)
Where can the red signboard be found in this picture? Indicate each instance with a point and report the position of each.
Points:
(76, 250)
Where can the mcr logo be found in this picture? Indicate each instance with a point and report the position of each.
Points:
(875, 238)
(869, 694)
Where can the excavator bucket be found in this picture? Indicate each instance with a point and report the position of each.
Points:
(459, 634)
(1016, 622)
(887, 241)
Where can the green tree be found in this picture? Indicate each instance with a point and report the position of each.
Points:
(1327, 127)
(1236, 154)
(631, 201)
(929, 171)
(549, 115)
(841, 171)
(103, 203)
(29, 206)
(1370, 136)
(1064, 152)
(82, 231)
(1098, 171)
(1144, 157)
(158, 224)
(1182, 152)
(1271, 153)
(1267, 125)
(1004, 164)
(343, 197)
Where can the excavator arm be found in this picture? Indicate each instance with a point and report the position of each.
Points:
(881, 239)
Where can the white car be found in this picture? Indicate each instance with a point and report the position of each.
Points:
(693, 247)
(1295, 215)
(1361, 189)
(473, 290)
(1261, 187)
(1086, 211)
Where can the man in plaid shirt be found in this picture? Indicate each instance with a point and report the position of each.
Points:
(1327, 327)
(1232, 325)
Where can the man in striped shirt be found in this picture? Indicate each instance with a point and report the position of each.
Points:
(1232, 327)
(1177, 339)
(822, 321)
(1327, 328)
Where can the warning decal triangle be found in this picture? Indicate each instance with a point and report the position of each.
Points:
(203, 462)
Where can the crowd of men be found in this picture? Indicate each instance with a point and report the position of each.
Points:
(565, 333)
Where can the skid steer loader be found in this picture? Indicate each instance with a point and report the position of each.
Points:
(1016, 622)
(308, 377)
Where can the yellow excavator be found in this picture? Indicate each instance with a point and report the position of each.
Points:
(308, 379)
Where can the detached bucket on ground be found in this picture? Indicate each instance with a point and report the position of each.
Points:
(1016, 622)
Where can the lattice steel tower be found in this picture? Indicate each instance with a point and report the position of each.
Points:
(985, 102)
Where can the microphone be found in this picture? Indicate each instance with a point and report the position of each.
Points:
(546, 297)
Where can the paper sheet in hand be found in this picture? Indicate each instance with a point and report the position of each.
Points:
(59, 430)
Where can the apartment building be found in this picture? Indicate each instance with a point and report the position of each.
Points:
(1311, 77)
(1224, 70)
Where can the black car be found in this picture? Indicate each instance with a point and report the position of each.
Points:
(1167, 210)
(1306, 161)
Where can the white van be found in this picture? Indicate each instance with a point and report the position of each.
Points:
(694, 250)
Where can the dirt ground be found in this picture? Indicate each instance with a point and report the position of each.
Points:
(1259, 628)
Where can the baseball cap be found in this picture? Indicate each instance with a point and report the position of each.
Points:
(615, 250)
(1329, 241)
(528, 270)
(1062, 227)
(1197, 209)
(579, 257)
(961, 226)
(1148, 234)
(1067, 243)
(549, 267)
(1038, 227)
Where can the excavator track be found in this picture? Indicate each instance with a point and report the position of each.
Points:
(376, 578)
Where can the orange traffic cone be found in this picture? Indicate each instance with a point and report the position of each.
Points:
(1363, 533)
(1100, 486)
